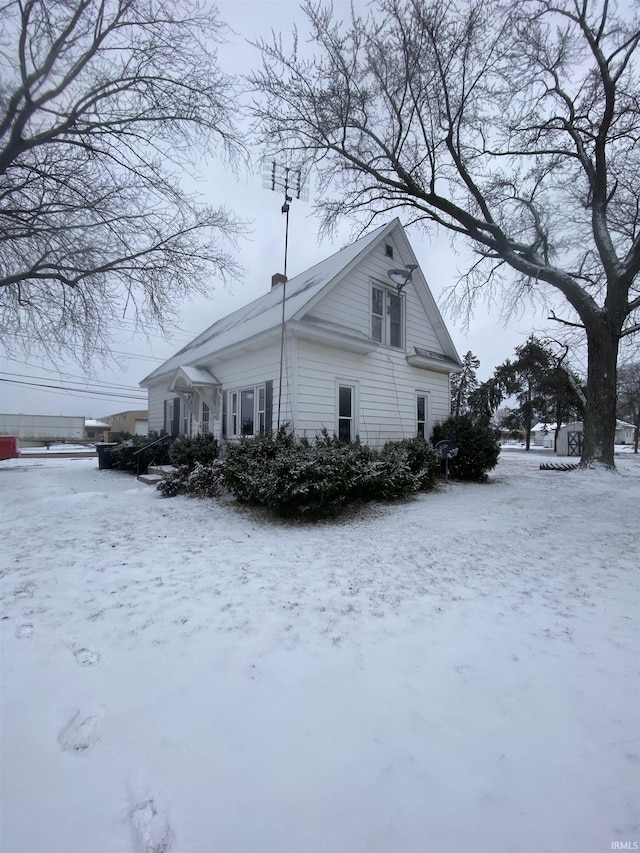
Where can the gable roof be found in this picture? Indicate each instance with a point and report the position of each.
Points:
(302, 292)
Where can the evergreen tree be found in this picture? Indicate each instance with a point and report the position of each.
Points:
(463, 384)
(540, 383)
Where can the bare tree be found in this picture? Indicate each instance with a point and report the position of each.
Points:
(103, 105)
(514, 124)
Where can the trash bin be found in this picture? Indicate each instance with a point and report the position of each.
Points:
(104, 449)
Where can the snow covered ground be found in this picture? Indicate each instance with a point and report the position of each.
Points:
(458, 672)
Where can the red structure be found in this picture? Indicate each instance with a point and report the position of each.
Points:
(9, 447)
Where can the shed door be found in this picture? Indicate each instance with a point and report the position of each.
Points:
(574, 443)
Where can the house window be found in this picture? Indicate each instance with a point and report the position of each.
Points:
(387, 313)
(261, 410)
(347, 408)
(388, 250)
(422, 414)
(233, 426)
(204, 419)
(247, 411)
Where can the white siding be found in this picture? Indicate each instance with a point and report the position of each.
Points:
(350, 302)
(387, 388)
(386, 384)
(157, 395)
(254, 368)
(245, 370)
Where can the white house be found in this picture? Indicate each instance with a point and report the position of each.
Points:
(339, 346)
(543, 435)
(625, 433)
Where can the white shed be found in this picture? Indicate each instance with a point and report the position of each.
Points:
(570, 439)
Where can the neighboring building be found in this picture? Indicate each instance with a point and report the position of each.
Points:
(133, 422)
(570, 437)
(360, 356)
(625, 433)
(42, 429)
(96, 430)
(569, 441)
(543, 435)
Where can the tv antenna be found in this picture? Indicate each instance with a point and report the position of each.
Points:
(290, 180)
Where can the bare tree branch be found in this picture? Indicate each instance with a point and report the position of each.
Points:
(103, 106)
(514, 124)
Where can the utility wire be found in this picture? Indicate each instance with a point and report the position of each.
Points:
(114, 386)
(76, 390)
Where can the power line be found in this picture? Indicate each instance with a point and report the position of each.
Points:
(105, 385)
(66, 390)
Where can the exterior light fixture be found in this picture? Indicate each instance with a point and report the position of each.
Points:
(402, 277)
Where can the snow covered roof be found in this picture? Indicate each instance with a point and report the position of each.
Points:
(92, 423)
(265, 313)
(195, 376)
(544, 427)
(302, 292)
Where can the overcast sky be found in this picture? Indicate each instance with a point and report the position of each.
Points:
(99, 391)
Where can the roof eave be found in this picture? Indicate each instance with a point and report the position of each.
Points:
(349, 343)
(435, 364)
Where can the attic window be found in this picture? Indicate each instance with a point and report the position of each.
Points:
(388, 250)
(387, 316)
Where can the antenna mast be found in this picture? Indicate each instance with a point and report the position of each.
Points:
(291, 181)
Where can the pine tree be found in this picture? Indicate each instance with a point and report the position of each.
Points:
(463, 384)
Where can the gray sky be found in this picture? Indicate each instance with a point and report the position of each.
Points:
(100, 390)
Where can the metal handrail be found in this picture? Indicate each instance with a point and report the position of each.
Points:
(151, 444)
(145, 447)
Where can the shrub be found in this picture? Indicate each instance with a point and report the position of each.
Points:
(478, 449)
(423, 458)
(314, 479)
(198, 448)
(136, 453)
(201, 480)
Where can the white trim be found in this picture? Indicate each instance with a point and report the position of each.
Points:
(237, 392)
(390, 293)
(427, 413)
(353, 385)
(434, 364)
(317, 334)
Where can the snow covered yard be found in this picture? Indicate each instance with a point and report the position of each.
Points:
(457, 672)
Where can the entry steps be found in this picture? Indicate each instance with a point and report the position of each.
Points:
(155, 473)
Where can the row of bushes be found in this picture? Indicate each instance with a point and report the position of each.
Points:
(138, 452)
(302, 478)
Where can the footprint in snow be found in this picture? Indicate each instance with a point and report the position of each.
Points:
(151, 828)
(86, 657)
(80, 734)
(23, 632)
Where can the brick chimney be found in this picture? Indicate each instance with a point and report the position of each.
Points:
(278, 278)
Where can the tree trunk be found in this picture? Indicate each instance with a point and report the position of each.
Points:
(600, 413)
